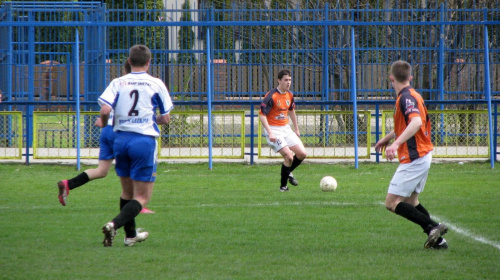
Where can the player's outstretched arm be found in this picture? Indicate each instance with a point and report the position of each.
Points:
(382, 143)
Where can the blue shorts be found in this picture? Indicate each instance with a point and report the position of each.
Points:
(135, 156)
(106, 143)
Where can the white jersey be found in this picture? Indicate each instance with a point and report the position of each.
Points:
(110, 120)
(135, 98)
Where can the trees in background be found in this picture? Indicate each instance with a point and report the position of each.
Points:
(186, 37)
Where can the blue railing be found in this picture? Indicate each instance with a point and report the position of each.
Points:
(335, 54)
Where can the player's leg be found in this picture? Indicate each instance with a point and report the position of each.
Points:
(125, 197)
(122, 168)
(423, 168)
(126, 210)
(131, 234)
(280, 146)
(402, 197)
(434, 230)
(136, 159)
(129, 209)
(142, 194)
(400, 193)
(101, 171)
(413, 200)
(396, 204)
(81, 179)
(106, 157)
(287, 155)
(300, 154)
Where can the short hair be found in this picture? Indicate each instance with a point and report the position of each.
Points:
(283, 73)
(401, 71)
(126, 67)
(139, 55)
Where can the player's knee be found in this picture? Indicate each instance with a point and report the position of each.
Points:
(101, 174)
(104, 173)
(389, 206)
(143, 200)
(301, 155)
(288, 158)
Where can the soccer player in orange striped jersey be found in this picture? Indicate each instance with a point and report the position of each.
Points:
(413, 146)
(275, 110)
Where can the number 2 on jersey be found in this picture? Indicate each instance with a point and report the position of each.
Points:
(133, 111)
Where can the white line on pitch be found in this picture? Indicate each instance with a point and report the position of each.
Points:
(216, 205)
(466, 233)
(271, 204)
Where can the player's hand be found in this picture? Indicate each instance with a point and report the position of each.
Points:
(380, 146)
(272, 138)
(297, 132)
(390, 151)
(98, 123)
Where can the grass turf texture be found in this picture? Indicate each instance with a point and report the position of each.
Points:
(233, 223)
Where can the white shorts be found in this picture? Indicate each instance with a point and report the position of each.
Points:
(285, 136)
(411, 177)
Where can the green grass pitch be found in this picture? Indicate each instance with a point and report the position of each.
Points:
(233, 223)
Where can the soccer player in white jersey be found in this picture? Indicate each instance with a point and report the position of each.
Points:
(135, 98)
(106, 157)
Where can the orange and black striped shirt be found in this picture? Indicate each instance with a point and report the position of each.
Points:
(275, 107)
(410, 104)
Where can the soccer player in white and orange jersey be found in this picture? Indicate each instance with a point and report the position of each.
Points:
(413, 146)
(135, 99)
(278, 105)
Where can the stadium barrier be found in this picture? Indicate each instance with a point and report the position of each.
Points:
(186, 136)
(55, 135)
(325, 134)
(455, 133)
(328, 135)
(11, 131)
(227, 58)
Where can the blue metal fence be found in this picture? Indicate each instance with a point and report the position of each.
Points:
(337, 56)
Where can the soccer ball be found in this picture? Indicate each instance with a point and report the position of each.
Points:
(328, 184)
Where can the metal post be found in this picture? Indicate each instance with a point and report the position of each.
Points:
(441, 71)
(495, 132)
(354, 97)
(325, 82)
(487, 92)
(377, 129)
(209, 100)
(252, 119)
(441, 58)
(76, 95)
(31, 88)
(325, 59)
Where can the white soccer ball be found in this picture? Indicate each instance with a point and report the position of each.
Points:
(328, 184)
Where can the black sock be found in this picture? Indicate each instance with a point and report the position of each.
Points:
(296, 162)
(411, 213)
(127, 213)
(79, 180)
(130, 226)
(285, 172)
(424, 211)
